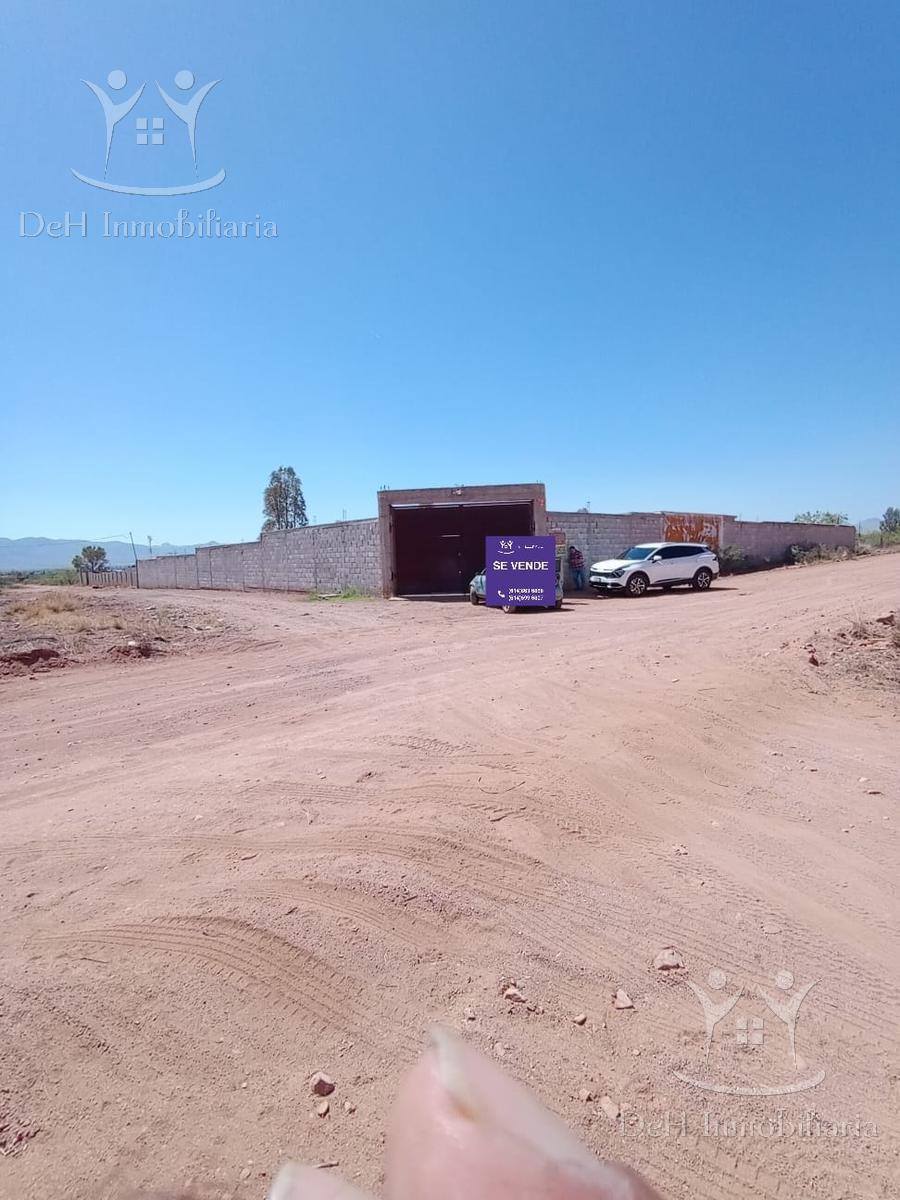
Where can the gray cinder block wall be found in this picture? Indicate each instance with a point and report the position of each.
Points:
(325, 558)
(329, 558)
(770, 541)
(186, 571)
(606, 535)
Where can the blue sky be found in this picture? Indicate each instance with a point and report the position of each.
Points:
(645, 252)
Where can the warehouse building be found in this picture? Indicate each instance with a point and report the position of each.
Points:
(430, 541)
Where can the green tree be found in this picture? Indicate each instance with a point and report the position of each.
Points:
(890, 522)
(283, 504)
(821, 518)
(91, 558)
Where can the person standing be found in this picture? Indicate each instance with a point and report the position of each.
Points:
(576, 568)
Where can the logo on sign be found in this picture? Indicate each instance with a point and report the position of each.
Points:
(520, 571)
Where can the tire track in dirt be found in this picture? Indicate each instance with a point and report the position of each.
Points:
(428, 745)
(602, 939)
(393, 923)
(286, 974)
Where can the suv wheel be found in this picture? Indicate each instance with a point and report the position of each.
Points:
(702, 581)
(637, 584)
(473, 596)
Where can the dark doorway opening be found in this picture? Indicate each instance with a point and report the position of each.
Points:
(437, 548)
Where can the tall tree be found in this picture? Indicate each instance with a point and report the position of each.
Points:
(890, 522)
(91, 558)
(821, 518)
(283, 504)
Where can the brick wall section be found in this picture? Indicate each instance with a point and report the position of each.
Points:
(186, 570)
(251, 553)
(171, 570)
(329, 558)
(769, 541)
(204, 567)
(156, 572)
(226, 565)
(605, 535)
(325, 558)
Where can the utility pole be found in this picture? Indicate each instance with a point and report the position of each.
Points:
(150, 544)
(133, 551)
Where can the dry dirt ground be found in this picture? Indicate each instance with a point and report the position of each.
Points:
(291, 851)
(45, 628)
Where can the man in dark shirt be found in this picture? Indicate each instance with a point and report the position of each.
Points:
(576, 568)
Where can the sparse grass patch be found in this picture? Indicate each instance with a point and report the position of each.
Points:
(44, 610)
(860, 627)
(75, 613)
(347, 593)
(56, 627)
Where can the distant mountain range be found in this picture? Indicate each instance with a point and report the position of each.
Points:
(868, 524)
(45, 554)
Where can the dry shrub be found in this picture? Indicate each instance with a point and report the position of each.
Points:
(869, 651)
(45, 610)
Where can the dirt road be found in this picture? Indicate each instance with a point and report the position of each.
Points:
(291, 853)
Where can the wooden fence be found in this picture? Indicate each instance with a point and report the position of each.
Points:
(126, 577)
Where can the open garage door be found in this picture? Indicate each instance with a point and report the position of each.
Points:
(437, 548)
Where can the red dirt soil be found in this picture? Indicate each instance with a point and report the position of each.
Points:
(225, 871)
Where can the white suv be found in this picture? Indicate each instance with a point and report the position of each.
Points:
(656, 564)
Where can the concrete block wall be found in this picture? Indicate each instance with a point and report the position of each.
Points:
(168, 571)
(226, 564)
(251, 565)
(770, 541)
(329, 558)
(186, 570)
(156, 572)
(325, 558)
(204, 566)
(605, 535)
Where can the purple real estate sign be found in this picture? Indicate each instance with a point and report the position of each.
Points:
(520, 571)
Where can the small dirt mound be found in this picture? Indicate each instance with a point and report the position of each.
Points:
(133, 649)
(30, 655)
